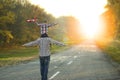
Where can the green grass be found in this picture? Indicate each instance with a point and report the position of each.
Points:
(15, 56)
(24, 54)
(114, 51)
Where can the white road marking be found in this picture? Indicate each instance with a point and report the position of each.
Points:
(54, 75)
(69, 62)
(75, 56)
(55, 66)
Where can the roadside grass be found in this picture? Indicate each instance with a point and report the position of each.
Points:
(23, 54)
(15, 56)
(113, 50)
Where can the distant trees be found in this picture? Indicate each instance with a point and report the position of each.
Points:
(14, 30)
(68, 29)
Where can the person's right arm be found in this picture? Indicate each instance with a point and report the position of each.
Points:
(33, 43)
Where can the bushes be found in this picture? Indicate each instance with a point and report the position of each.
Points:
(114, 51)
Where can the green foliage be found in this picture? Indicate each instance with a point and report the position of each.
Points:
(14, 30)
(113, 50)
(112, 17)
(114, 6)
(5, 36)
(7, 16)
(13, 16)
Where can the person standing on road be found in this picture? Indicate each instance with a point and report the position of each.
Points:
(44, 45)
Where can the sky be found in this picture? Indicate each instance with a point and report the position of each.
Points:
(71, 7)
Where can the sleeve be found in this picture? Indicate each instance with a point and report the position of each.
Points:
(39, 24)
(33, 43)
(56, 42)
(50, 25)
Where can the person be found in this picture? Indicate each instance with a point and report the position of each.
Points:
(44, 26)
(44, 42)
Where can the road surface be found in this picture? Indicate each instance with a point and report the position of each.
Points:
(80, 62)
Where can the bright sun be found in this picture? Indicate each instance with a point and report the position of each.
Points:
(87, 11)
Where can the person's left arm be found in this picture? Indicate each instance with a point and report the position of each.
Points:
(56, 42)
(50, 25)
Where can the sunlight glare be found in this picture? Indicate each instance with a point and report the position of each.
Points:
(89, 17)
(87, 11)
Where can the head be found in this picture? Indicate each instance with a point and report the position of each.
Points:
(44, 35)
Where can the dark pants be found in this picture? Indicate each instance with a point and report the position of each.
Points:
(44, 65)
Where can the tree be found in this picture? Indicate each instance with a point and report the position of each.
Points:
(13, 25)
(7, 16)
(114, 6)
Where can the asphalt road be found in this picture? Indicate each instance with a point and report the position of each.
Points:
(80, 62)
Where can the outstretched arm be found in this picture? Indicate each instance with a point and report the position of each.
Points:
(33, 43)
(39, 24)
(50, 25)
(57, 42)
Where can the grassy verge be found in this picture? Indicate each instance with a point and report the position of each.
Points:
(24, 54)
(114, 51)
(15, 56)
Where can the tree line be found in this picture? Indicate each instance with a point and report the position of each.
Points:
(13, 26)
(14, 30)
(112, 18)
